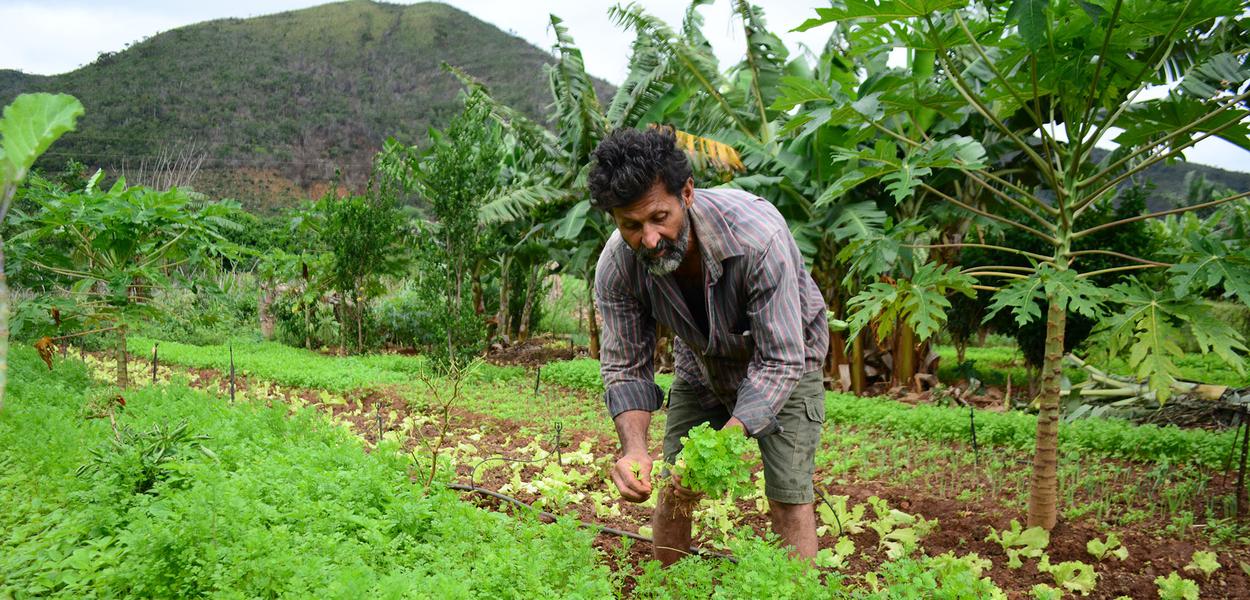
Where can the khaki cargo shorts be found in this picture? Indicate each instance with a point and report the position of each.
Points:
(789, 455)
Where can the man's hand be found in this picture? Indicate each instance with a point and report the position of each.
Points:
(632, 476)
(734, 422)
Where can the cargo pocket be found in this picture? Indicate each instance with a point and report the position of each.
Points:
(815, 409)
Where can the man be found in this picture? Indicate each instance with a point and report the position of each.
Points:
(721, 269)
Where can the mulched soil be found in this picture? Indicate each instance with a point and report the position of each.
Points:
(534, 352)
(963, 526)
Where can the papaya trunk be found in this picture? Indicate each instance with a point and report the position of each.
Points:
(859, 378)
(905, 355)
(1044, 487)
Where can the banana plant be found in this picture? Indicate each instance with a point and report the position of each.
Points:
(28, 127)
(1052, 78)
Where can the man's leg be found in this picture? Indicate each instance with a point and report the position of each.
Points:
(789, 465)
(670, 523)
(795, 524)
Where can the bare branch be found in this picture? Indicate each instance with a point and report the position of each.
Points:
(1032, 255)
(1081, 234)
(1117, 270)
(1120, 255)
(943, 195)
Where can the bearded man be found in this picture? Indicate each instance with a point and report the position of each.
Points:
(721, 269)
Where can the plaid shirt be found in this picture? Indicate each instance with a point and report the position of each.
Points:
(767, 323)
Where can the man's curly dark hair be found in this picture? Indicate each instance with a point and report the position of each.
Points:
(628, 162)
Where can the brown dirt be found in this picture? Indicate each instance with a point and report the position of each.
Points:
(535, 352)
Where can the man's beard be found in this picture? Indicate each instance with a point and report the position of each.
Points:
(667, 254)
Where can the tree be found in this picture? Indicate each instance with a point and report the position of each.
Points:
(28, 127)
(114, 247)
(366, 239)
(454, 178)
(1076, 68)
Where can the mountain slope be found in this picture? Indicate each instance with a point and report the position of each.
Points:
(277, 103)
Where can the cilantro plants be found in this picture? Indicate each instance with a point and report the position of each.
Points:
(712, 462)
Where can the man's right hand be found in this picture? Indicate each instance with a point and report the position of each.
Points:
(632, 476)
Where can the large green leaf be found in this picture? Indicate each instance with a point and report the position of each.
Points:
(29, 125)
(1030, 15)
(1022, 296)
(1207, 264)
(880, 12)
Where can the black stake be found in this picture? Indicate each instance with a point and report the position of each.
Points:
(559, 455)
(538, 377)
(972, 426)
(231, 372)
(154, 360)
(1241, 471)
(377, 412)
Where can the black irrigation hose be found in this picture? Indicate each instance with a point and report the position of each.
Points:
(600, 528)
(836, 518)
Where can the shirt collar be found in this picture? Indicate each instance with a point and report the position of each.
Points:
(717, 241)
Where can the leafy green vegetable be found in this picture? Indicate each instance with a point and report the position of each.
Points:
(715, 461)
(1099, 549)
(1203, 561)
(1074, 576)
(1029, 543)
(1175, 587)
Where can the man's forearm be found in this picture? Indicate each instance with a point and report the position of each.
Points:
(631, 428)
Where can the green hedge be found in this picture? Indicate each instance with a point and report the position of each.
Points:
(303, 368)
(583, 374)
(1110, 437)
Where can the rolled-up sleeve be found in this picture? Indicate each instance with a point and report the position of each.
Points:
(627, 343)
(776, 318)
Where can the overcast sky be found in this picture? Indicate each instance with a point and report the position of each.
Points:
(55, 36)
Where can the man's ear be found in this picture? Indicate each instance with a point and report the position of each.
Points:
(687, 192)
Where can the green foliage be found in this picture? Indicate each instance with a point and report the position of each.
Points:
(1099, 549)
(115, 247)
(29, 125)
(136, 460)
(942, 577)
(763, 571)
(1042, 591)
(366, 239)
(292, 506)
(1175, 587)
(1205, 562)
(1074, 576)
(919, 301)
(583, 374)
(1119, 439)
(1027, 543)
(715, 462)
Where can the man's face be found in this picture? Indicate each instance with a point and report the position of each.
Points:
(657, 227)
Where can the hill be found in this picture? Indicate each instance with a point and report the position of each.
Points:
(276, 104)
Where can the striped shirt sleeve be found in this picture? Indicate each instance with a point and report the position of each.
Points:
(627, 343)
(776, 319)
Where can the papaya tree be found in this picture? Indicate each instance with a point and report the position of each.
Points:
(28, 127)
(1074, 74)
(114, 247)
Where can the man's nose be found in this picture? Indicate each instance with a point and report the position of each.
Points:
(650, 237)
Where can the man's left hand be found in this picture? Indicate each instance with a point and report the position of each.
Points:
(734, 422)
